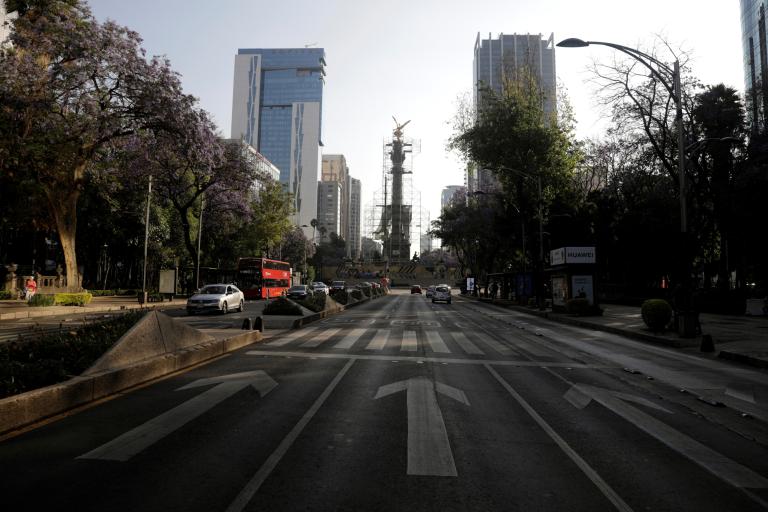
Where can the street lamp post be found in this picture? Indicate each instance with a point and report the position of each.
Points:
(665, 75)
(143, 298)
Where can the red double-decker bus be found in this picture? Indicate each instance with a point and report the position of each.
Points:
(260, 278)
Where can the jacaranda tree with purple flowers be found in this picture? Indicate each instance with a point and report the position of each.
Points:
(69, 88)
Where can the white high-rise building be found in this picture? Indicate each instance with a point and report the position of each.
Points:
(354, 241)
(328, 210)
(276, 108)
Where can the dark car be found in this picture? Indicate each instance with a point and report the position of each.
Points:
(415, 288)
(300, 292)
(338, 285)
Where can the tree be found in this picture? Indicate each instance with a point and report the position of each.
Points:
(69, 87)
(719, 113)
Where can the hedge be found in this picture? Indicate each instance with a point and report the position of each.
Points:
(656, 314)
(40, 300)
(314, 302)
(5, 295)
(52, 358)
(340, 296)
(72, 299)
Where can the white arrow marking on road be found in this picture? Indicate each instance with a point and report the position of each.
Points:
(714, 462)
(429, 451)
(136, 440)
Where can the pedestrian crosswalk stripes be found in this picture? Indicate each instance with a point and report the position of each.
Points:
(436, 342)
(465, 344)
(409, 342)
(320, 338)
(291, 336)
(350, 339)
(342, 338)
(379, 340)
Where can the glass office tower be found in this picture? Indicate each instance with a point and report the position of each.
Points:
(755, 49)
(277, 109)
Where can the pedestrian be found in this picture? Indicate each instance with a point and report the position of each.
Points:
(30, 288)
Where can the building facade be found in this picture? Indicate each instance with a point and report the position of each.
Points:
(328, 210)
(277, 109)
(755, 51)
(354, 240)
(502, 59)
(451, 194)
(334, 168)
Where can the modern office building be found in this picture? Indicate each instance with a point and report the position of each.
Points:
(328, 210)
(277, 109)
(262, 167)
(354, 240)
(505, 58)
(334, 168)
(755, 49)
(451, 194)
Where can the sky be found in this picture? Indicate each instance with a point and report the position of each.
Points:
(413, 59)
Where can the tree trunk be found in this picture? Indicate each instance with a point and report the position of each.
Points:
(63, 206)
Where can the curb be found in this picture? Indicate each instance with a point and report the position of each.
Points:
(743, 358)
(27, 408)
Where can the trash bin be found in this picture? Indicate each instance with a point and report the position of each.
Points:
(687, 322)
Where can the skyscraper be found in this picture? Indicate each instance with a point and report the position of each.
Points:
(501, 59)
(328, 210)
(354, 242)
(276, 108)
(451, 194)
(755, 48)
(334, 168)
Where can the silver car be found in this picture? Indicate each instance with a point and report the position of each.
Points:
(320, 287)
(216, 297)
(442, 293)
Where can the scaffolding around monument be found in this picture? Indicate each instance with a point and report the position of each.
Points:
(395, 217)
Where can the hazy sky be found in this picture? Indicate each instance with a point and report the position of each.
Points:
(413, 59)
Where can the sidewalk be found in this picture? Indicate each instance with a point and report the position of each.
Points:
(736, 337)
(14, 309)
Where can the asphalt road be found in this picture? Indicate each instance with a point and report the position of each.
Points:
(400, 404)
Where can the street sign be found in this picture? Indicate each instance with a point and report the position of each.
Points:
(429, 451)
(136, 440)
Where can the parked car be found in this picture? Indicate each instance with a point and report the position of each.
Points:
(320, 287)
(415, 288)
(442, 294)
(338, 285)
(216, 297)
(430, 291)
(300, 292)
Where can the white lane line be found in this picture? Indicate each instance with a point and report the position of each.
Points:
(583, 465)
(409, 342)
(350, 339)
(284, 340)
(379, 340)
(320, 338)
(252, 487)
(466, 345)
(436, 342)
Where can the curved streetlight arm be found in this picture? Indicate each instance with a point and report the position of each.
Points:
(639, 56)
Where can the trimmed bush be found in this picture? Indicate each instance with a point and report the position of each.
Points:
(39, 300)
(72, 299)
(5, 295)
(282, 306)
(52, 358)
(357, 294)
(340, 296)
(315, 302)
(657, 313)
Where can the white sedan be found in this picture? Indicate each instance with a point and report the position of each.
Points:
(320, 287)
(216, 297)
